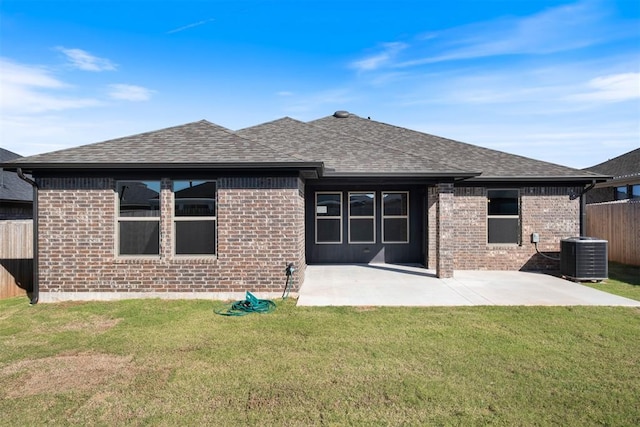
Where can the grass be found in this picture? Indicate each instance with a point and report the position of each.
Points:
(160, 362)
(624, 280)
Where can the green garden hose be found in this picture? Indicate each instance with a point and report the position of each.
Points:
(246, 306)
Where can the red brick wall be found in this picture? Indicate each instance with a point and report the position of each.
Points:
(544, 210)
(260, 230)
(445, 231)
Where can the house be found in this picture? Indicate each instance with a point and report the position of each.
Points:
(199, 210)
(16, 196)
(625, 184)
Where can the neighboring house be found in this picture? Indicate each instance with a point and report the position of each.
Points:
(201, 211)
(16, 196)
(625, 184)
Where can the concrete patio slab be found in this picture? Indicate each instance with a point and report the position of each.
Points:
(398, 285)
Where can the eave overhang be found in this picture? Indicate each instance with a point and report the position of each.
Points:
(447, 175)
(305, 168)
(582, 179)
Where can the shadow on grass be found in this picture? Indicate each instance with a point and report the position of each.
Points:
(625, 273)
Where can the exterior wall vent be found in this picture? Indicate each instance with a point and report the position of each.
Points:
(584, 258)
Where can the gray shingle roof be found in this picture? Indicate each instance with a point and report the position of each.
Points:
(623, 166)
(455, 154)
(347, 146)
(11, 186)
(342, 152)
(194, 143)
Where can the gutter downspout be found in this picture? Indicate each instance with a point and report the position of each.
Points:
(35, 294)
(583, 207)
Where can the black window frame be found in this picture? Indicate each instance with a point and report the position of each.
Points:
(127, 195)
(502, 214)
(177, 220)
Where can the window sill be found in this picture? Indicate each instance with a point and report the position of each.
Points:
(137, 259)
(194, 259)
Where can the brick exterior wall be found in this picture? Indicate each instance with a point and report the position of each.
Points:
(260, 230)
(544, 210)
(446, 219)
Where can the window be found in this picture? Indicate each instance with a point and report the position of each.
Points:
(621, 193)
(503, 216)
(138, 217)
(627, 192)
(395, 217)
(328, 216)
(194, 217)
(362, 217)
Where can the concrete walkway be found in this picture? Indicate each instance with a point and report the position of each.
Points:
(396, 285)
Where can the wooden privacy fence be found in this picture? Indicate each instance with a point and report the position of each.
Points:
(16, 257)
(619, 223)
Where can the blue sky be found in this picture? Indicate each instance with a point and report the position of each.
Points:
(553, 80)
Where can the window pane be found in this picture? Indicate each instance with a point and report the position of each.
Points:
(328, 204)
(635, 191)
(195, 237)
(396, 230)
(139, 237)
(621, 193)
(195, 198)
(395, 204)
(503, 202)
(139, 198)
(361, 230)
(504, 230)
(361, 204)
(328, 230)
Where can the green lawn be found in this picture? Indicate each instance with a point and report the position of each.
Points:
(624, 280)
(158, 362)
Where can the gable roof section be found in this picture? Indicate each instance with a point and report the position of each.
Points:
(345, 154)
(11, 186)
(624, 166)
(494, 165)
(193, 145)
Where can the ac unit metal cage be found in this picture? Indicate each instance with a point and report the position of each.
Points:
(584, 258)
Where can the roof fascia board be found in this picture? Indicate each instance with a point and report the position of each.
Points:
(448, 175)
(319, 166)
(570, 178)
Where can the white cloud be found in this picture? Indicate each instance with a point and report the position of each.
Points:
(83, 60)
(389, 52)
(553, 30)
(558, 29)
(28, 89)
(22, 75)
(611, 88)
(129, 92)
(186, 27)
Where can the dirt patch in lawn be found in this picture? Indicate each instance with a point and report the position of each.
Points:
(95, 324)
(61, 374)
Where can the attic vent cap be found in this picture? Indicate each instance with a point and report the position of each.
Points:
(341, 114)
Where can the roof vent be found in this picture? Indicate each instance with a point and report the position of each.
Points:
(341, 114)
